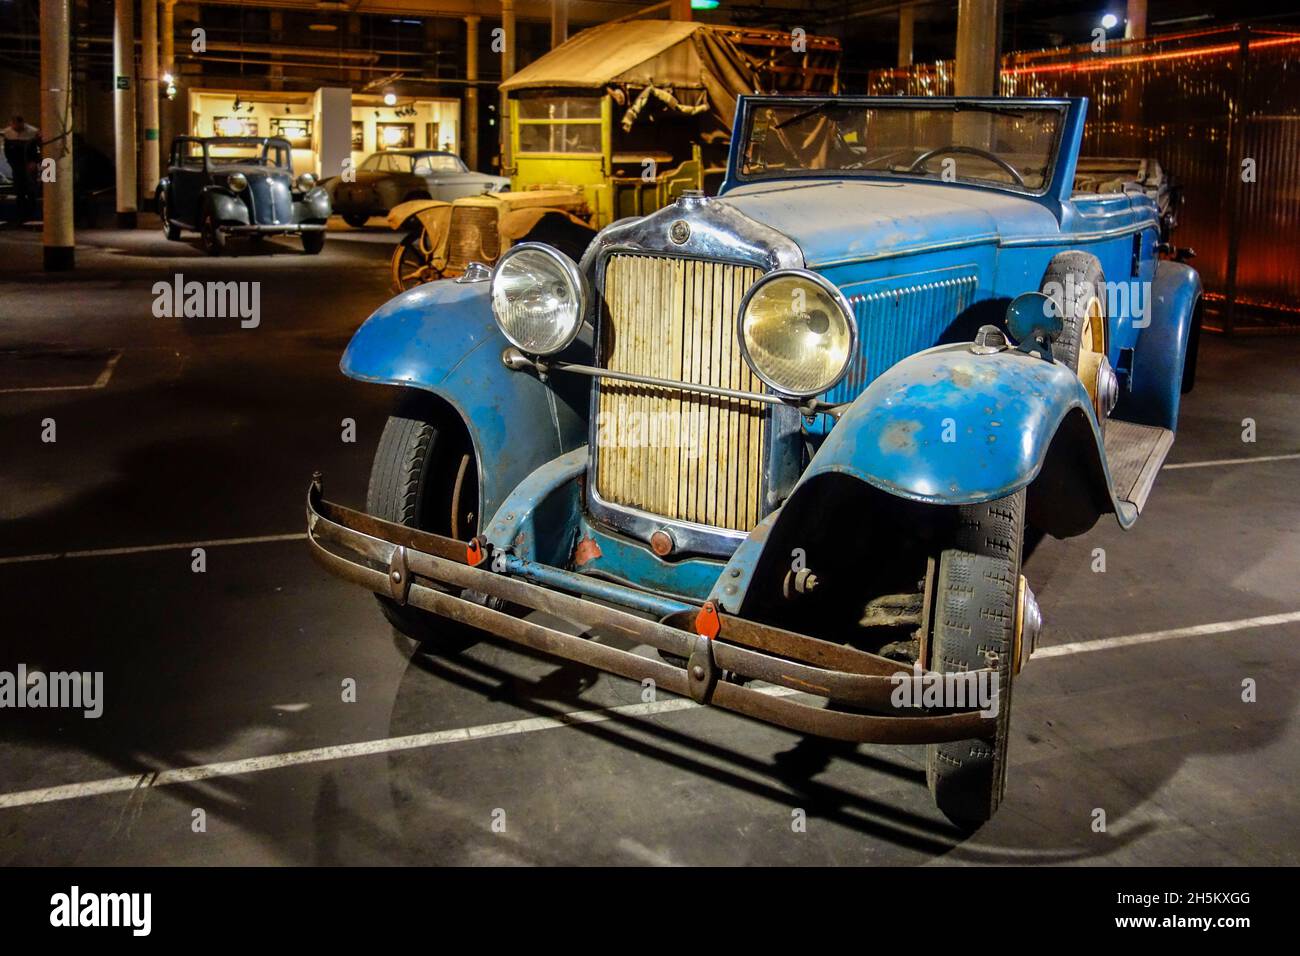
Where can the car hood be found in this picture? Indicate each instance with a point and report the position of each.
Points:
(843, 220)
(465, 179)
(252, 172)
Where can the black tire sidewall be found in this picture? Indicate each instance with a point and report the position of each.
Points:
(1081, 274)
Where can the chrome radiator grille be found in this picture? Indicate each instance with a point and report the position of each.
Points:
(684, 456)
(473, 236)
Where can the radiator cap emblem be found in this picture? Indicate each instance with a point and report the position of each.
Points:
(679, 232)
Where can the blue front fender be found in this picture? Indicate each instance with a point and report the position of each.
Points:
(950, 427)
(442, 338)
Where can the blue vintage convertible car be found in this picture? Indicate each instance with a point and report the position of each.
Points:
(790, 438)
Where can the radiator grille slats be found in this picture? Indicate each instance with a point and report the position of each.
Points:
(896, 322)
(683, 456)
(473, 236)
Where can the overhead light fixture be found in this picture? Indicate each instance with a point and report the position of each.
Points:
(1108, 22)
(390, 98)
(705, 4)
(322, 27)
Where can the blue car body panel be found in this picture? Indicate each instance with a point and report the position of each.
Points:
(442, 338)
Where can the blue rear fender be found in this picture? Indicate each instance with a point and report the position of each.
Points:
(1163, 348)
(442, 339)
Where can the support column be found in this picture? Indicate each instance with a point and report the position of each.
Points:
(906, 31)
(167, 67)
(469, 124)
(149, 101)
(56, 128)
(275, 72)
(559, 22)
(124, 111)
(1135, 20)
(680, 10)
(979, 32)
(507, 71)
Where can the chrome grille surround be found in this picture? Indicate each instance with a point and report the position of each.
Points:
(719, 235)
(473, 235)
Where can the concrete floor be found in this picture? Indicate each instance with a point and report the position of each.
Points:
(206, 432)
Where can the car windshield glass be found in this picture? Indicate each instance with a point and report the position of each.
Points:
(437, 164)
(245, 153)
(1011, 146)
(372, 162)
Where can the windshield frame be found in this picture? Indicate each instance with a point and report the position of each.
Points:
(1063, 153)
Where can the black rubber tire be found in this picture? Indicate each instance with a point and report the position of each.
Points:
(975, 618)
(214, 240)
(313, 242)
(170, 229)
(1079, 273)
(356, 219)
(412, 482)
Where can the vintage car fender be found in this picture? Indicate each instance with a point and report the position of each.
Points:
(314, 205)
(1160, 356)
(430, 211)
(225, 207)
(441, 337)
(947, 426)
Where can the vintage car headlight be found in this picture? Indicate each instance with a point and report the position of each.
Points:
(306, 181)
(539, 297)
(797, 332)
(238, 182)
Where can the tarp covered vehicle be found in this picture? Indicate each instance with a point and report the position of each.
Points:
(791, 437)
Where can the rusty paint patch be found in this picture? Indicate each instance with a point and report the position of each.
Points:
(586, 551)
(900, 437)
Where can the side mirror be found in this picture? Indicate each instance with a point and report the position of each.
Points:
(1033, 319)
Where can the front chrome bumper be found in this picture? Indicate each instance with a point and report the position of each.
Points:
(241, 229)
(430, 571)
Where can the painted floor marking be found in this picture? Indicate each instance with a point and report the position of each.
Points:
(105, 374)
(144, 549)
(1230, 461)
(195, 774)
(1150, 637)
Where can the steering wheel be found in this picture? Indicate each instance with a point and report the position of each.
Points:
(920, 161)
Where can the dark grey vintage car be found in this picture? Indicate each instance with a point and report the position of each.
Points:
(397, 175)
(220, 186)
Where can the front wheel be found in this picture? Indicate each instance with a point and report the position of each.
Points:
(170, 229)
(356, 219)
(410, 265)
(425, 476)
(313, 242)
(974, 628)
(214, 240)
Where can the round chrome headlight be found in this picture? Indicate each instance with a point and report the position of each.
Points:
(238, 182)
(306, 181)
(797, 332)
(538, 297)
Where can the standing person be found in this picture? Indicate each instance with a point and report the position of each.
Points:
(22, 145)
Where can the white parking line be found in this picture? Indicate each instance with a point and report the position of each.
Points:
(162, 778)
(1230, 461)
(145, 548)
(100, 381)
(1196, 630)
(366, 748)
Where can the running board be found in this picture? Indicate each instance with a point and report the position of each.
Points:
(1134, 454)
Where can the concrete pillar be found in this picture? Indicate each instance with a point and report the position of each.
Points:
(680, 10)
(507, 71)
(1135, 20)
(124, 111)
(979, 32)
(148, 101)
(906, 30)
(167, 67)
(56, 233)
(333, 113)
(559, 22)
(469, 124)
